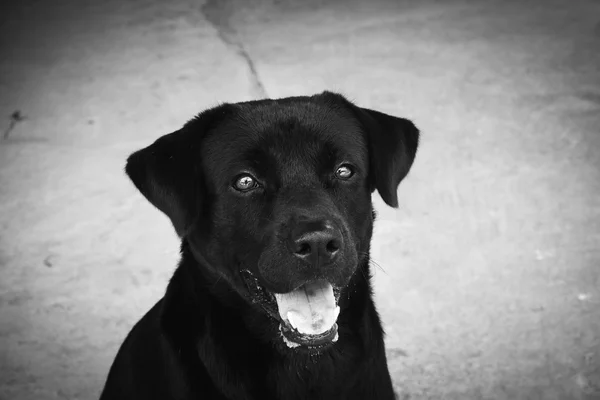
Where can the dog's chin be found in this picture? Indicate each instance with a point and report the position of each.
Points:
(295, 340)
(307, 316)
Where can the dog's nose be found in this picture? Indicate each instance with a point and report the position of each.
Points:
(316, 246)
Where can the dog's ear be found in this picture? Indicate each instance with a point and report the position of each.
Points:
(168, 171)
(392, 143)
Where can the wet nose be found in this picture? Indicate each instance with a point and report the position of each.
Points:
(317, 243)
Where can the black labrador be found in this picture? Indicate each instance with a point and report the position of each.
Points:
(272, 296)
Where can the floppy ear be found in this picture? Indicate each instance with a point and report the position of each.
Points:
(392, 143)
(164, 173)
(167, 172)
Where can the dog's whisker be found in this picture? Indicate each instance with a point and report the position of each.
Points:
(379, 266)
(373, 261)
(362, 271)
(217, 281)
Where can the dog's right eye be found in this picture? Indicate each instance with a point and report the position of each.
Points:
(344, 172)
(244, 183)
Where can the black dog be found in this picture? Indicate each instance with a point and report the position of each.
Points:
(272, 296)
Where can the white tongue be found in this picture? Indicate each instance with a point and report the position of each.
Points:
(310, 309)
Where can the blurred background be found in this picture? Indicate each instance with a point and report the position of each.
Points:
(489, 272)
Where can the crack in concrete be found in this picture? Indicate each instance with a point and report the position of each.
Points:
(217, 12)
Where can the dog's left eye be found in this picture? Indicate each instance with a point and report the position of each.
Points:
(244, 183)
(344, 172)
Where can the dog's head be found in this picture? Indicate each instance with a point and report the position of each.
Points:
(274, 196)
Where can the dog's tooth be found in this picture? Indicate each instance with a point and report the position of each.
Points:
(288, 343)
(292, 320)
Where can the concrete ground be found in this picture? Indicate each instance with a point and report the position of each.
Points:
(489, 272)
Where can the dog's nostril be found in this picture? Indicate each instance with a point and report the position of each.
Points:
(303, 249)
(332, 246)
(317, 247)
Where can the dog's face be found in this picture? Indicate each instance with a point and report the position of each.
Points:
(274, 196)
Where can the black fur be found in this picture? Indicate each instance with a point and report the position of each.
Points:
(211, 336)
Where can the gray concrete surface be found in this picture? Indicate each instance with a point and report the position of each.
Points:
(488, 276)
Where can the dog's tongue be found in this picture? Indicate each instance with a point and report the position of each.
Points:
(310, 309)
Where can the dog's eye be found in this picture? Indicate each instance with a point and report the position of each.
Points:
(344, 172)
(244, 183)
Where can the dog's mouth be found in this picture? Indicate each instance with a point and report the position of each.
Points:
(307, 316)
